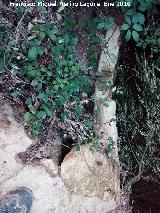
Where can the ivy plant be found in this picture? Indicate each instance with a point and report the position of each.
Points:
(133, 25)
(56, 85)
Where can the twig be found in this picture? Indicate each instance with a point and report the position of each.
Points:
(18, 25)
(137, 177)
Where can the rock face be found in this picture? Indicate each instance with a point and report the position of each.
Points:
(105, 115)
(12, 141)
(91, 174)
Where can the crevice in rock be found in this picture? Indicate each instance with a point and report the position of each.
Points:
(67, 145)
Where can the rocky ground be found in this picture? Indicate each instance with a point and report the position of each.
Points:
(87, 182)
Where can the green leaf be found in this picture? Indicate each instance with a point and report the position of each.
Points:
(101, 26)
(39, 86)
(40, 50)
(64, 115)
(141, 18)
(32, 73)
(41, 96)
(41, 114)
(42, 35)
(12, 42)
(135, 36)
(56, 87)
(134, 19)
(74, 69)
(125, 26)
(33, 53)
(96, 39)
(111, 19)
(138, 18)
(138, 27)
(28, 117)
(51, 34)
(128, 35)
(16, 93)
(47, 110)
(130, 12)
(128, 20)
(28, 101)
(107, 27)
(70, 22)
(66, 38)
(145, 5)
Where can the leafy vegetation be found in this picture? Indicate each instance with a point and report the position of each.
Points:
(52, 85)
(45, 74)
(138, 105)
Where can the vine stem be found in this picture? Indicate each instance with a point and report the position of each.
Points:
(18, 25)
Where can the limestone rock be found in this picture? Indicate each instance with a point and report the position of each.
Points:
(105, 115)
(13, 140)
(110, 53)
(90, 174)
